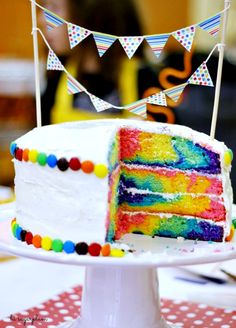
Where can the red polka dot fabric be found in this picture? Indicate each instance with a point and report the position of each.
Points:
(66, 307)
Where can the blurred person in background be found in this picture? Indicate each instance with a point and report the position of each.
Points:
(113, 78)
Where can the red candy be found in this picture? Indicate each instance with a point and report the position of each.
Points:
(74, 164)
(19, 154)
(29, 238)
(94, 249)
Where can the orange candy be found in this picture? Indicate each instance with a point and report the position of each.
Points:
(36, 241)
(106, 250)
(231, 234)
(87, 167)
(25, 155)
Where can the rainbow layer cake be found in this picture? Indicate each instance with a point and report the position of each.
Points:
(97, 181)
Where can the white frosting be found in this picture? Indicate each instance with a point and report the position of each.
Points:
(73, 205)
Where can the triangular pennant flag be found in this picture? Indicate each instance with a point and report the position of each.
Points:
(73, 86)
(211, 25)
(52, 20)
(138, 107)
(99, 104)
(103, 42)
(175, 92)
(185, 36)
(201, 76)
(157, 99)
(157, 42)
(130, 44)
(53, 63)
(76, 34)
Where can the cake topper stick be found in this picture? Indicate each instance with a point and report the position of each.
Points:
(36, 65)
(221, 48)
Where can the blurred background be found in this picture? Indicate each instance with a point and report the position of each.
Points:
(194, 109)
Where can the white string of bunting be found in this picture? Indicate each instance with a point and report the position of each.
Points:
(130, 44)
(200, 77)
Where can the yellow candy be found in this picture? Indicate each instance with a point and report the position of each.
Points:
(117, 252)
(228, 157)
(33, 155)
(100, 170)
(46, 243)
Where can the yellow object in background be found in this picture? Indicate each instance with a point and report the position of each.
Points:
(6, 195)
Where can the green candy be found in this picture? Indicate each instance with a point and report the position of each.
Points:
(42, 159)
(15, 228)
(57, 245)
(234, 223)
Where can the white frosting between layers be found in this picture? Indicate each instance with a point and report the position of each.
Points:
(73, 205)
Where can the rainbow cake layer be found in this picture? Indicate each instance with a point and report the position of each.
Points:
(97, 181)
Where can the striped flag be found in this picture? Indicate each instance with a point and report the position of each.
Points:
(157, 99)
(76, 34)
(211, 25)
(52, 20)
(73, 86)
(53, 63)
(175, 92)
(130, 44)
(99, 104)
(103, 42)
(185, 36)
(157, 42)
(138, 107)
(201, 76)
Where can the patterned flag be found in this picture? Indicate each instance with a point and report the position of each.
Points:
(175, 92)
(211, 25)
(53, 63)
(52, 20)
(103, 42)
(201, 76)
(99, 104)
(157, 99)
(185, 36)
(157, 42)
(138, 107)
(76, 34)
(130, 44)
(73, 86)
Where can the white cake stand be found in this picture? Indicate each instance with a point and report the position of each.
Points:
(122, 292)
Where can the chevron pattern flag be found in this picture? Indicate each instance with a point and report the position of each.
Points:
(157, 42)
(175, 92)
(52, 20)
(130, 44)
(76, 34)
(201, 76)
(103, 42)
(99, 104)
(53, 63)
(157, 99)
(138, 108)
(211, 25)
(185, 36)
(73, 86)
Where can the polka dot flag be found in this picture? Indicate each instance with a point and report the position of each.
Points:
(76, 34)
(157, 99)
(65, 307)
(53, 63)
(201, 76)
(130, 44)
(99, 104)
(185, 36)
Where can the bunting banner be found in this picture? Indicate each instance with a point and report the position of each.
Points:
(99, 104)
(76, 34)
(175, 92)
(139, 108)
(157, 42)
(201, 76)
(52, 20)
(211, 25)
(130, 44)
(73, 86)
(53, 63)
(103, 42)
(157, 99)
(185, 36)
